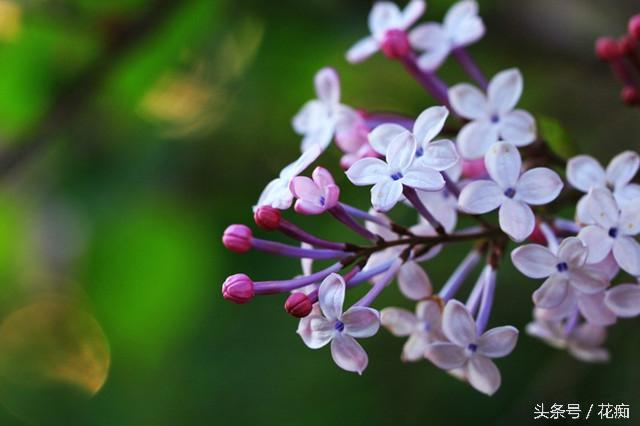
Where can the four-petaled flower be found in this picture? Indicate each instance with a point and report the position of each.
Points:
(469, 351)
(493, 116)
(315, 195)
(510, 191)
(341, 329)
(461, 27)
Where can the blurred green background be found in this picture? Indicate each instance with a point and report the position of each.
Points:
(134, 131)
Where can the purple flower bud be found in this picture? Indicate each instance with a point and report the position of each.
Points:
(396, 44)
(298, 305)
(268, 218)
(634, 27)
(238, 288)
(607, 49)
(237, 238)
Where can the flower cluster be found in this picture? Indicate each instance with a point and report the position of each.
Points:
(477, 174)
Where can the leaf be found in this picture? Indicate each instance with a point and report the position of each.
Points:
(556, 137)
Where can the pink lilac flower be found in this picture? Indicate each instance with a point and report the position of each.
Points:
(492, 116)
(461, 27)
(315, 195)
(465, 349)
(386, 23)
(510, 191)
(614, 230)
(339, 328)
(422, 328)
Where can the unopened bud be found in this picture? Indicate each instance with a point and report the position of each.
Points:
(238, 288)
(396, 44)
(267, 217)
(298, 305)
(607, 49)
(634, 27)
(627, 45)
(237, 238)
(630, 95)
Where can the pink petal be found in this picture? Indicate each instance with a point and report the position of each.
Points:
(399, 322)
(309, 207)
(414, 282)
(468, 101)
(622, 168)
(322, 177)
(480, 197)
(475, 139)
(516, 219)
(539, 186)
(503, 164)
(361, 322)
(534, 260)
(624, 300)
(429, 124)
(505, 90)
(331, 196)
(331, 296)
(305, 188)
(446, 355)
(348, 354)
(483, 375)
(367, 171)
(498, 342)
(458, 325)
(518, 128)
(584, 172)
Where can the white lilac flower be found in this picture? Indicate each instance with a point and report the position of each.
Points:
(401, 169)
(583, 341)
(566, 273)
(340, 328)
(614, 230)
(277, 193)
(492, 116)
(461, 27)
(510, 191)
(422, 328)
(385, 18)
(469, 351)
(321, 118)
(624, 300)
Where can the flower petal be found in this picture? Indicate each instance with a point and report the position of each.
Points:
(311, 117)
(381, 137)
(415, 347)
(463, 24)
(305, 160)
(597, 241)
(331, 296)
(362, 50)
(589, 354)
(516, 219)
(348, 354)
(384, 16)
(603, 208)
(573, 251)
(412, 12)
(588, 280)
(622, 168)
(624, 300)
(627, 194)
(518, 127)
(423, 178)
(304, 187)
(475, 139)
(534, 260)
(551, 293)
(589, 335)
(430, 312)
(483, 375)
(446, 355)
(367, 171)
(539, 186)
(413, 281)
(503, 163)
(401, 151)
(595, 311)
(626, 250)
(498, 342)
(429, 123)
(386, 194)
(431, 39)
(630, 218)
(321, 137)
(399, 322)
(440, 155)
(458, 325)
(327, 86)
(361, 322)
(468, 101)
(504, 90)
(480, 197)
(584, 172)
(320, 332)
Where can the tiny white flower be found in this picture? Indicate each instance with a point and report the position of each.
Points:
(492, 116)
(423, 327)
(321, 118)
(385, 17)
(461, 27)
(510, 191)
(340, 328)
(469, 351)
(277, 193)
(614, 230)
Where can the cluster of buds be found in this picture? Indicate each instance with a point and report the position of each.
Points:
(623, 54)
(454, 165)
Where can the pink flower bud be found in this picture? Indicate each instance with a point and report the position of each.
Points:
(537, 236)
(473, 169)
(266, 217)
(298, 305)
(607, 49)
(630, 95)
(627, 45)
(396, 44)
(634, 27)
(237, 238)
(238, 288)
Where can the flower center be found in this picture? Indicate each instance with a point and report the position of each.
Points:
(427, 327)
(472, 347)
(339, 326)
(419, 152)
(613, 232)
(509, 192)
(562, 267)
(396, 176)
(495, 118)
(322, 200)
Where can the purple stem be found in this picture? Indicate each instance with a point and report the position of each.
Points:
(375, 119)
(370, 273)
(377, 288)
(461, 273)
(291, 251)
(339, 213)
(296, 233)
(550, 236)
(470, 66)
(566, 226)
(474, 298)
(451, 186)
(487, 299)
(432, 84)
(313, 296)
(361, 214)
(271, 287)
(413, 198)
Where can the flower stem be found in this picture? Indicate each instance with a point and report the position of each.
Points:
(487, 299)
(470, 66)
(414, 199)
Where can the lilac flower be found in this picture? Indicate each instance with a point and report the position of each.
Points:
(277, 193)
(461, 27)
(340, 328)
(401, 169)
(510, 191)
(443, 204)
(614, 230)
(386, 21)
(493, 116)
(321, 118)
(624, 300)
(467, 350)
(423, 327)
(315, 195)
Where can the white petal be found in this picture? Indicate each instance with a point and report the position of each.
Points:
(588, 280)
(624, 300)
(386, 194)
(626, 250)
(534, 260)
(276, 194)
(384, 16)
(412, 12)
(582, 212)
(439, 155)
(348, 354)
(298, 166)
(381, 137)
(331, 296)
(327, 86)
(311, 117)
(627, 194)
(475, 139)
(431, 60)
(463, 24)
(446, 355)
(498, 342)
(503, 163)
(415, 347)
(430, 311)
(483, 375)
(539, 186)
(423, 178)
(517, 127)
(480, 197)
(429, 123)
(458, 325)
(573, 251)
(603, 207)
(399, 322)
(584, 172)
(598, 243)
(516, 219)
(504, 91)
(429, 36)
(401, 151)
(361, 322)
(622, 168)
(321, 332)
(595, 311)
(589, 354)
(630, 218)
(321, 138)
(414, 282)
(367, 171)
(552, 292)
(362, 50)
(468, 101)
